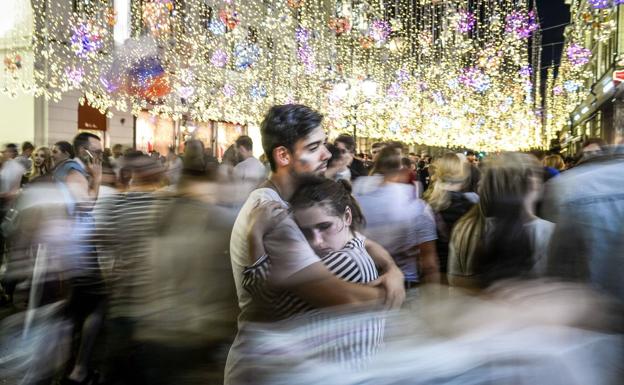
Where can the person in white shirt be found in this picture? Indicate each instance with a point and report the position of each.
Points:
(400, 222)
(10, 174)
(248, 169)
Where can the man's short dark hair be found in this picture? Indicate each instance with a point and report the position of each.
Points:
(66, 147)
(27, 146)
(348, 142)
(82, 140)
(378, 144)
(284, 125)
(245, 142)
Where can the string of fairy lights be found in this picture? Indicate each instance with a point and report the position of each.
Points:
(443, 73)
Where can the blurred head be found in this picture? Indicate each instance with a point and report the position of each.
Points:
(10, 151)
(554, 161)
(592, 147)
(326, 212)
(408, 164)
(87, 145)
(376, 148)
(471, 157)
(244, 147)
(117, 151)
(509, 182)
(346, 144)
(388, 162)
(196, 164)
(145, 170)
(448, 173)
(27, 149)
(294, 141)
(61, 151)
(493, 233)
(339, 157)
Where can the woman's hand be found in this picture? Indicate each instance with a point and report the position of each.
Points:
(264, 217)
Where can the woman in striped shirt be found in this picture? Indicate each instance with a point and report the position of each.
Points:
(329, 217)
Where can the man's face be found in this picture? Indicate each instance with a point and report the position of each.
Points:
(9, 153)
(95, 148)
(346, 154)
(471, 158)
(309, 155)
(241, 153)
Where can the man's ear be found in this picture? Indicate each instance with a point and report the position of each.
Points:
(282, 157)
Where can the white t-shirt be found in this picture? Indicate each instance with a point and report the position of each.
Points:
(290, 253)
(286, 244)
(399, 222)
(11, 175)
(250, 170)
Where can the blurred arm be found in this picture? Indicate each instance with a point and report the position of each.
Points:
(392, 279)
(428, 262)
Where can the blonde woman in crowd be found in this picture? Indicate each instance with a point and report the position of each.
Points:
(41, 163)
(449, 177)
(554, 161)
(501, 237)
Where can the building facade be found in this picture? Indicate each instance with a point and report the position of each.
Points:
(583, 100)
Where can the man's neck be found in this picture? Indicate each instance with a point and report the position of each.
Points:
(284, 183)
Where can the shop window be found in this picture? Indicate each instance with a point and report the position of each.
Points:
(154, 133)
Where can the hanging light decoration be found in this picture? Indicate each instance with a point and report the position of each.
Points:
(408, 76)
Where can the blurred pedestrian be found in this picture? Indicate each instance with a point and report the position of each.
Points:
(447, 200)
(403, 224)
(501, 237)
(356, 164)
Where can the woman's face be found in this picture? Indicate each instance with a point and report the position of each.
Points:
(39, 158)
(324, 231)
(58, 156)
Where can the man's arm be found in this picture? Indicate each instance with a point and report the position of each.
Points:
(317, 286)
(85, 192)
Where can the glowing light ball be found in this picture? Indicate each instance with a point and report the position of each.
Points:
(229, 18)
(219, 58)
(521, 24)
(217, 27)
(74, 76)
(13, 62)
(245, 55)
(578, 55)
(340, 25)
(379, 30)
(599, 4)
(87, 39)
(466, 21)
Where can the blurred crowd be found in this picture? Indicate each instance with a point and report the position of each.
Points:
(311, 264)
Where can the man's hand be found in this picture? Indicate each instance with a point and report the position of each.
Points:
(95, 170)
(393, 283)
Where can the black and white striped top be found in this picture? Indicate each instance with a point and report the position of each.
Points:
(350, 341)
(352, 264)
